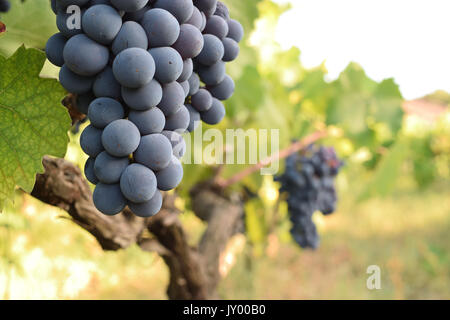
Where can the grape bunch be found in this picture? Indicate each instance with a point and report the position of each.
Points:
(5, 5)
(144, 72)
(308, 181)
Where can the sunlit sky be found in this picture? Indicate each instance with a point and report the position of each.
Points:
(408, 40)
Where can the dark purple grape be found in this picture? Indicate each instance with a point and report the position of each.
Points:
(108, 199)
(121, 138)
(154, 152)
(215, 114)
(170, 177)
(109, 169)
(190, 41)
(149, 208)
(138, 183)
(217, 26)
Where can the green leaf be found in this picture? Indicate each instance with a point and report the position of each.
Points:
(249, 92)
(30, 23)
(33, 123)
(385, 177)
(369, 112)
(387, 105)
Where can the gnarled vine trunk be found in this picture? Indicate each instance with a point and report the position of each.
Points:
(194, 271)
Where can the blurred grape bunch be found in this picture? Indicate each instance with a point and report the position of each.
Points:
(308, 181)
(5, 5)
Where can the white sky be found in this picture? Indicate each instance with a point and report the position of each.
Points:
(408, 40)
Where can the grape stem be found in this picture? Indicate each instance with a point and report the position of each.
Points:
(293, 148)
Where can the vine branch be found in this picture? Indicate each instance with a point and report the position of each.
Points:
(293, 148)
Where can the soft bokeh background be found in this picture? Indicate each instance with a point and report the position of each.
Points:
(394, 208)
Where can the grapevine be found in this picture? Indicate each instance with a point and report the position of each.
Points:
(308, 181)
(144, 72)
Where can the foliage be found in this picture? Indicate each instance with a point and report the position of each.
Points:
(33, 122)
(30, 23)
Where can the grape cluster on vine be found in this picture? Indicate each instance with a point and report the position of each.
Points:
(144, 72)
(308, 181)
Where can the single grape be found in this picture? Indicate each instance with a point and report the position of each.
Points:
(172, 99)
(215, 114)
(106, 85)
(143, 98)
(179, 121)
(131, 35)
(231, 49)
(170, 177)
(154, 151)
(212, 51)
(102, 23)
(224, 90)
(91, 141)
(109, 169)
(134, 67)
(217, 26)
(121, 138)
(177, 141)
(89, 171)
(212, 75)
(161, 26)
(149, 121)
(5, 5)
(84, 56)
(54, 49)
(169, 64)
(190, 42)
(73, 82)
(103, 111)
(149, 208)
(108, 199)
(138, 183)
(202, 100)
(235, 30)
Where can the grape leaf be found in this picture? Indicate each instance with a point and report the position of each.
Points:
(358, 104)
(384, 180)
(30, 23)
(33, 123)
